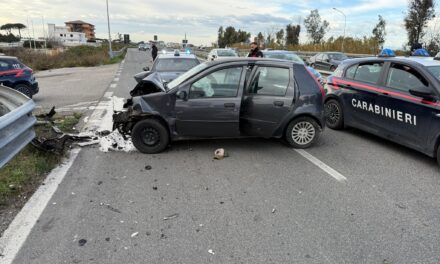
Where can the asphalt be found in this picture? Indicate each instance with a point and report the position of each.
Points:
(263, 204)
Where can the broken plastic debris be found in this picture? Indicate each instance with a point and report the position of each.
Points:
(274, 210)
(134, 234)
(82, 242)
(148, 167)
(211, 252)
(220, 154)
(171, 217)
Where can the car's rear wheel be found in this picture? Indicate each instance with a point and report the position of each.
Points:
(438, 154)
(24, 89)
(150, 136)
(334, 116)
(302, 132)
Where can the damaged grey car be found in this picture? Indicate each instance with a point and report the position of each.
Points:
(231, 98)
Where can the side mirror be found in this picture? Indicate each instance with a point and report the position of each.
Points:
(182, 95)
(423, 92)
(214, 56)
(327, 60)
(146, 68)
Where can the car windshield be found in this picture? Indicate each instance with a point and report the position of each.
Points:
(226, 53)
(176, 82)
(175, 65)
(338, 56)
(285, 56)
(435, 71)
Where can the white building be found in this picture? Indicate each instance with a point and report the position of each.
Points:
(64, 36)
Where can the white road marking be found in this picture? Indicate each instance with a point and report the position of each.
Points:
(108, 94)
(332, 172)
(113, 85)
(116, 79)
(20, 228)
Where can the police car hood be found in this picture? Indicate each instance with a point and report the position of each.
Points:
(167, 77)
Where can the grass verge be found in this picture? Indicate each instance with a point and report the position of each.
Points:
(25, 172)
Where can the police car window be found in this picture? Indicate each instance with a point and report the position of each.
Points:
(404, 78)
(319, 56)
(368, 72)
(6, 65)
(270, 81)
(435, 71)
(349, 74)
(178, 65)
(222, 83)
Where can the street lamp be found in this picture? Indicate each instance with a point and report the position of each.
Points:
(345, 26)
(110, 52)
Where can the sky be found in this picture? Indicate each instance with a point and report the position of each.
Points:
(200, 19)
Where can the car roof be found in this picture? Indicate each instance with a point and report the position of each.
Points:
(172, 56)
(251, 60)
(8, 57)
(224, 49)
(424, 61)
(278, 51)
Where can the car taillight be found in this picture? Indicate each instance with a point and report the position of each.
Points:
(317, 83)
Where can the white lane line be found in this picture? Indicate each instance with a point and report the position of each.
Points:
(113, 85)
(116, 79)
(20, 228)
(332, 172)
(108, 94)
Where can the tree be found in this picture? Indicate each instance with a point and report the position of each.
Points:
(280, 37)
(419, 13)
(221, 33)
(19, 27)
(260, 38)
(229, 36)
(379, 32)
(8, 28)
(292, 34)
(315, 28)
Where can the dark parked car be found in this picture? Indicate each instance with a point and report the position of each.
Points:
(170, 65)
(227, 98)
(394, 98)
(18, 76)
(291, 56)
(327, 61)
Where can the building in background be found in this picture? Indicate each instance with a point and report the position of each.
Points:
(64, 36)
(82, 27)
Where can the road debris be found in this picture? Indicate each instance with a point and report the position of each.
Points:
(58, 143)
(220, 154)
(155, 188)
(115, 141)
(82, 242)
(171, 217)
(274, 211)
(134, 234)
(211, 252)
(148, 167)
(107, 239)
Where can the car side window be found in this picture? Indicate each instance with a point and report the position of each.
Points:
(270, 81)
(222, 83)
(319, 57)
(4, 66)
(368, 72)
(349, 74)
(324, 57)
(404, 78)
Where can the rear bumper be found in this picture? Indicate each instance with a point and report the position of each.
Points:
(35, 88)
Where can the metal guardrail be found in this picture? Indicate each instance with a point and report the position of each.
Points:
(16, 123)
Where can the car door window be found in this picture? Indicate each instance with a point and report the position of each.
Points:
(270, 81)
(349, 74)
(368, 72)
(319, 57)
(324, 57)
(404, 78)
(222, 83)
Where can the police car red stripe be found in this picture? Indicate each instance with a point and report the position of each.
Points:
(338, 81)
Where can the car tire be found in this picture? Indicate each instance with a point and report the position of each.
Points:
(334, 115)
(24, 89)
(302, 132)
(150, 136)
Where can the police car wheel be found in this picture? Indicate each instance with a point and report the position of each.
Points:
(150, 136)
(24, 89)
(302, 132)
(334, 116)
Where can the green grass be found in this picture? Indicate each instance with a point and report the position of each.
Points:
(25, 171)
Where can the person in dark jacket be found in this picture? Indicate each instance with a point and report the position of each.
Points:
(154, 51)
(255, 51)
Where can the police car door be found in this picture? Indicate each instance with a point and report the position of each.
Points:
(362, 95)
(409, 116)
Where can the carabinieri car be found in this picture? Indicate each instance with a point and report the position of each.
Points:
(396, 98)
(227, 98)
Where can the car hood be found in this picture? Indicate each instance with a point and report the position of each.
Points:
(152, 83)
(169, 76)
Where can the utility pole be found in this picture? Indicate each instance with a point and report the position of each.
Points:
(345, 26)
(44, 32)
(29, 33)
(110, 51)
(33, 33)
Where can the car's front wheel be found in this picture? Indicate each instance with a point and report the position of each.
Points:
(150, 136)
(334, 116)
(302, 132)
(24, 89)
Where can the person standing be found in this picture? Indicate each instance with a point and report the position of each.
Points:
(255, 51)
(154, 51)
